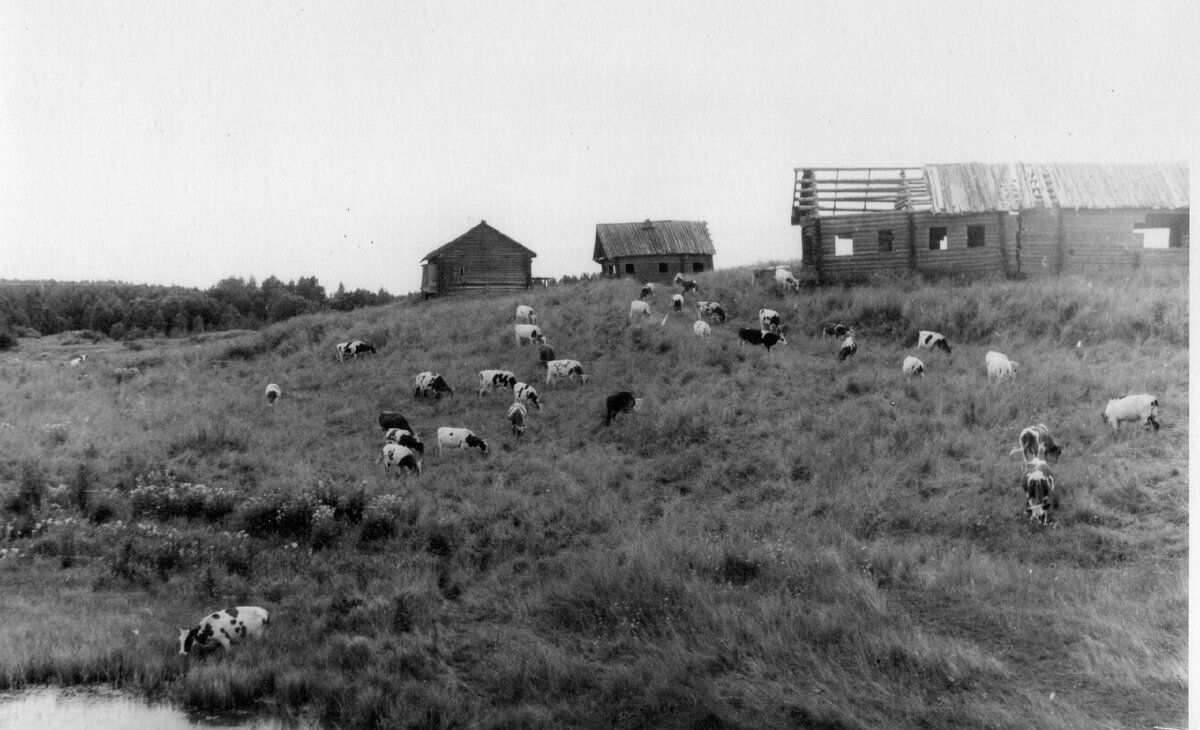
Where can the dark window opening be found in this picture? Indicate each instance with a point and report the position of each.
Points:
(975, 236)
(663, 267)
(886, 240)
(938, 240)
(697, 267)
(628, 268)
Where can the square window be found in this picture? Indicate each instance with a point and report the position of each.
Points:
(975, 236)
(886, 239)
(697, 267)
(663, 267)
(843, 246)
(628, 268)
(938, 240)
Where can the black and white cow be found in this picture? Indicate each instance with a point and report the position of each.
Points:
(226, 627)
(768, 320)
(545, 355)
(1035, 442)
(430, 384)
(405, 438)
(849, 348)
(273, 393)
(1039, 491)
(354, 348)
(489, 380)
(402, 457)
(525, 314)
(677, 302)
(1142, 408)
(927, 340)
(527, 393)
(570, 369)
(833, 329)
(458, 439)
(394, 419)
(647, 290)
(517, 413)
(689, 285)
(713, 310)
(527, 334)
(618, 403)
(760, 337)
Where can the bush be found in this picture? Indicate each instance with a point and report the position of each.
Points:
(162, 496)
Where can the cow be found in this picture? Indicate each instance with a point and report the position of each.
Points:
(459, 439)
(545, 355)
(763, 276)
(1035, 443)
(570, 369)
(677, 302)
(227, 627)
(402, 457)
(849, 348)
(404, 437)
(394, 419)
(785, 278)
(999, 366)
(1039, 491)
(689, 285)
(833, 329)
(647, 290)
(527, 334)
(638, 308)
(527, 393)
(525, 314)
(426, 384)
(619, 403)
(913, 366)
(700, 328)
(761, 337)
(712, 310)
(517, 413)
(77, 360)
(1142, 408)
(273, 393)
(927, 340)
(354, 348)
(768, 319)
(489, 380)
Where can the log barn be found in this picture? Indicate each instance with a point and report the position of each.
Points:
(653, 250)
(973, 218)
(480, 259)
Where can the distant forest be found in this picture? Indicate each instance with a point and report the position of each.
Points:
(131, 311)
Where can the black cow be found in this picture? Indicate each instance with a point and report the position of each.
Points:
(618, 403)
(394, 419)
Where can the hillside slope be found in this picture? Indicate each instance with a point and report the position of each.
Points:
(775, 540)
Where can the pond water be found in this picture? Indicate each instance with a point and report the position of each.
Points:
(54, 708)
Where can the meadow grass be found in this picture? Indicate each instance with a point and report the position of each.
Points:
(774, 540)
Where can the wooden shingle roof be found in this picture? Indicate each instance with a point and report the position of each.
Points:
(651, 238)
(482, 235)
(976, 187)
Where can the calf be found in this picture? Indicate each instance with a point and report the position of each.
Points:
(913, 366)
(527, 334)
(760, 337)
(786, 279)
(647, 290)
(689, 285)
(227, 627)
(393, 419)
(516, 416)
(459, 439)
(273, 393)
(1035, 443)
(354, 348)
(489, 380)
(677, 302)
(768, 320)
(527, 393)
(999, 366)
(405, 438)
(400, 456)
(714, 310)
(430, 384)
(619, 403)
(1039, 491)
(638, 308)
(700, 328)
(525, 314)
(932, 341)
(849, 348)
(570, 369)
(832, 329)
(1142, 408)
(77, 361)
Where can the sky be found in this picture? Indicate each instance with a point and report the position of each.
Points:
(186, 142)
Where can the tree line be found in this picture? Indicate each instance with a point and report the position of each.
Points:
(130, 311)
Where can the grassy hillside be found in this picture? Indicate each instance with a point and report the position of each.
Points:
(774, 541)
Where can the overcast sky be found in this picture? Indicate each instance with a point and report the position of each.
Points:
(184, 142)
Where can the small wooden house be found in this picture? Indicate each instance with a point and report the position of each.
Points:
(480, 259)
(653, 250)
(976, 218)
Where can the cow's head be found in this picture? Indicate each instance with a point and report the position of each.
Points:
(477, 443)
(1037, 512)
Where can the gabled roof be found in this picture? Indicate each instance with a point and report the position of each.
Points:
(481, 235)
(651, 238)
(975, 187)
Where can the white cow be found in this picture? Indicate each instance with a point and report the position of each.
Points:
(527, 334)
(1142, 408)
(786, 278)
(999, 366)
(273, 393)
(77, 361)
(402, 457)
(226, 627)
(913, 366)
(638, 308)
(570, 369)
(700, 328)
(525, 314)
(459, 439)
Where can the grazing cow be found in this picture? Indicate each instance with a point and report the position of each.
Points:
(459, 439)
(77, 361)
(785, 278)
(700, 328)
(849, 347)
(545, 355)
(273, 393)
(768, 319)
(354, 348)
(913, 366)
(516, 416)
(570, 369)
(647, 290)
(527, 334)
(714, 310)
(1039, 491)
(761, 337)
(227, 627)
(405, 438)
(763, 276)
(527, 393)
(677, 302)
(1142, 408)
(999, 366)
(927, 340)
(426, 384)
(525, 314)
(638, 308)
(833, 329)
(618, 403)
(393, 419)
(689, 285)
(1035, 443)
(489, 380)
(401, 456)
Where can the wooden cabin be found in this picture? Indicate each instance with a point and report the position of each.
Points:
(480, 259)
(653, 250)
(1031, 219)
